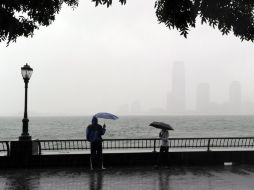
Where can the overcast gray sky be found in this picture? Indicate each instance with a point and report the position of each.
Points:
(99, 59)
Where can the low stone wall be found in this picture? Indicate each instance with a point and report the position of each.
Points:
(130, 159)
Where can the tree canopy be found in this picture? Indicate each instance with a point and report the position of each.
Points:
(22, 17)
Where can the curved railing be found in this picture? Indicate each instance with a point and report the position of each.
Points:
(149, 143)
(4, 148)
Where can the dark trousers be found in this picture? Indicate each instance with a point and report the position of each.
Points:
(163, 156)
(96, 154)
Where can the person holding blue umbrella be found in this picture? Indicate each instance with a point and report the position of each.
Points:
(94, 131)
(93, 134)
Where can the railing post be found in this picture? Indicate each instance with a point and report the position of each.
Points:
(208, 146)
(154, 145)
(39, 145)
(8, 148)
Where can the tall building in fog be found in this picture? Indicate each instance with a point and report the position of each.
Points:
(235, 97)
(203, 102)
(176, 100)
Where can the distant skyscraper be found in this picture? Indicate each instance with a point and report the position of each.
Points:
(203, 98)
(235, 97)
(176, 102)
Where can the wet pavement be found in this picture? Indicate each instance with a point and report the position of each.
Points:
(135, 178)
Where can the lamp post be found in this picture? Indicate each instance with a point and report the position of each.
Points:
(26, 72)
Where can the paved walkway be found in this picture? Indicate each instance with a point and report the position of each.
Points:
(138, 178)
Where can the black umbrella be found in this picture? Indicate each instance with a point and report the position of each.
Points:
(106, 115)
(161, 125)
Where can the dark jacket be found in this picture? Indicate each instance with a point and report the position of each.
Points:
(94, 133)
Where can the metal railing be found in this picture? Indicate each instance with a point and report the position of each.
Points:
(153, 144)
(213, 142)
(149, 143)
(53, 145)
(81, 144)
(4, 147)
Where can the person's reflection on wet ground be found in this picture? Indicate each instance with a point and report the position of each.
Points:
(164, 181)
(95, 180)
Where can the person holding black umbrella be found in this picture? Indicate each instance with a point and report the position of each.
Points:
(164, 134)
(163, 155)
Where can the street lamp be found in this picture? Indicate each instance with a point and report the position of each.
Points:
(26, 72)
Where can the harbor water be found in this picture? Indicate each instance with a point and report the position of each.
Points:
(129, 126)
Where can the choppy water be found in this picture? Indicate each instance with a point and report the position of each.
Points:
(129, 126)
(173, 178)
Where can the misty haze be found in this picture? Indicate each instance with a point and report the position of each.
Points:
(121, 60)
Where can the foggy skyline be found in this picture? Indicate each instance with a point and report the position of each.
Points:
(176, 100)
(119, 60)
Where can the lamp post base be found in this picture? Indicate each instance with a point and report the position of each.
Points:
(25, 138)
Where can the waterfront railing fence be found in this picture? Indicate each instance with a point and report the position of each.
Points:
(138, 144)
(152, 144)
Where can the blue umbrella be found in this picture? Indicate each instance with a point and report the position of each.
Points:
(105, 115)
